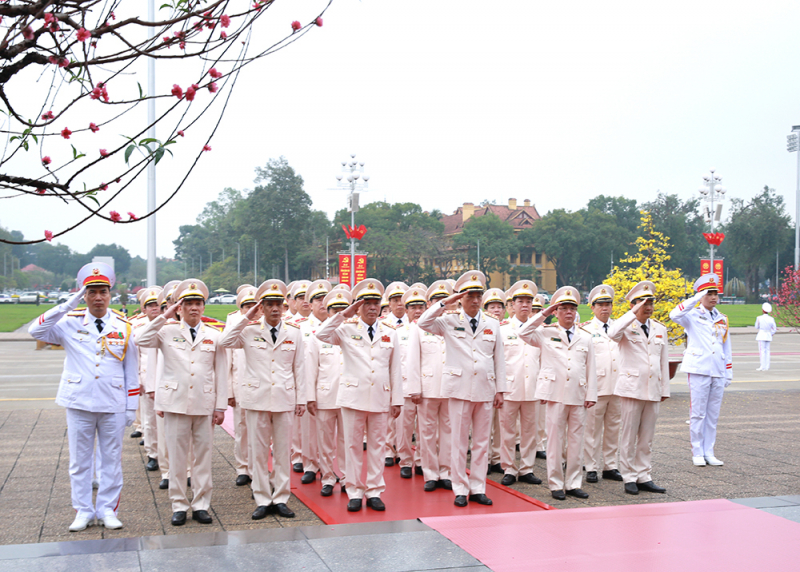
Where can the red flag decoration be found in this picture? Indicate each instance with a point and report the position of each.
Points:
(714, 238)
(354, 232)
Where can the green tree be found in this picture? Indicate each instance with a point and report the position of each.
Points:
(498, 244)
(683, 224)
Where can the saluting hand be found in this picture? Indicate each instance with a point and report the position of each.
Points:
(172, 311)
(351, 310)
(452, 299)
(253, 312)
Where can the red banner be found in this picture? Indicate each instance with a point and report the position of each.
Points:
(345, 275)
(361, 267)
(719, 266)
(344, 269)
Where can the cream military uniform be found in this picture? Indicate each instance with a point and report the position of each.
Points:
(393, 290)
(642, 384)
(147, 408)
(496, 443)
(194, 384)
(295, 289)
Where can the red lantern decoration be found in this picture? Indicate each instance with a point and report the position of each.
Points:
(714, 238)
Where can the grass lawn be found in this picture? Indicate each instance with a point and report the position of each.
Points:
(739, 315)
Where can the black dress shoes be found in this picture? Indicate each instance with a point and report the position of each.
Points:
(461, 500)
(530, 478)
(541, 455)
(327, 490)
(389, 461)
(480, 499)
(405, 472)
(612, 475)
(430, 486)
(179, 518)
(141, 443)
(446, 484)
(508, 480)
(284, 510)
(308, 477)
(136, 435)
(418, 470)
(354, 505)
(496, 468)
(591, 477)
(631, 489)
(558, 495)
(189, 482)
(201, 516)
(577, 493)
(152, 465)
(297, 467)
(260, 512)
(344, 489)
(375, 503)
(651, 487)
(242, 480)
(164, 484)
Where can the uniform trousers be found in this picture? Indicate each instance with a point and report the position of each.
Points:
(240, 446)
(356, 424)
(391, 437)
(330, 440)
(463, 415)
(308, 426)
(405, 435)
(187, 437)
(82, 426)
(541, 426)
(565, 425)
(297, 443)
(763, 352)
(636, 439)
(706, 401)
(265, 426)
(434, 444)
(601, 439)
(496, 439)
(511, 413)
(138, 423)
(148, 409)
(161, 447)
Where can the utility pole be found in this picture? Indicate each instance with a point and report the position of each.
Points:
(151, 166)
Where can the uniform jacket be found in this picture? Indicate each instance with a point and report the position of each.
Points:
(371, 380)
(403, 331)
(235, 358)
(708, 348)
(606, 356)
(323, 368)
(425, 361)
(272, 377)
(766, 328)
(475, 368)
(644, 360)
(567, 372)
(101, 369)
(193, 376)
(148, 358)
(522, 362)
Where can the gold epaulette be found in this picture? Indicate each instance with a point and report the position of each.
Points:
(504, 323)
(389, 325)
(585, 330)
(78, 312)
(294, 324)
(253, 323)
(297, 321)
(234, 312)
(217, 326)
(657, 322)
(353, 320)
(451, 311)
(582, 324)
(172, 321)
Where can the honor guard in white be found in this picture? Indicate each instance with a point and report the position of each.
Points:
(324, 370)
(473, 379)
(315, 294)
(642, 385)
(425, 362)
(567, 383)
(151, 309)
(414, 303)
(272, 392)
(707, 361)
(370, 389)
(520, 404)
(601, 439)
(765, 324)
(493, 303)
(138, 423)
(395, 314)
(192, 395)
(99, 389)
(301, 309)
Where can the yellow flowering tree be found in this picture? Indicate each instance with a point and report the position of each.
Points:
(648, 264)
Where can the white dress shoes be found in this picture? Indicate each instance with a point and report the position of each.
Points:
(111, 522)
(80, 523)
(699, 461)
(714, 462)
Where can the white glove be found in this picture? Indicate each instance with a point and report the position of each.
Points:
(73, 302)
(130, 417)
(728, 381)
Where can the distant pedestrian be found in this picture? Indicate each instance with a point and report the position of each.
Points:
(766, 329)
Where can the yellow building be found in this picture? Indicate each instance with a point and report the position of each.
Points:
(520, 218)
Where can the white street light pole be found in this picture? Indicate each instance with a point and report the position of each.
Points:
(713, 191)
(151, 167)
(357, 182)
(791, 146)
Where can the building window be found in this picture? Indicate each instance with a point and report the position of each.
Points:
(538, 260)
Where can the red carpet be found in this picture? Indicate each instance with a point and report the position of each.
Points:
(687, 536)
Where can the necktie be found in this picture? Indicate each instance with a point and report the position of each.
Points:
(371, 335)
(605, 327)
(99, 323)
(274, 335)
(194, 334)
(644, 329)
(569, 336)
(399, 321)
(474, 323)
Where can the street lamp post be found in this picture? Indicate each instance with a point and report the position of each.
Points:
(352, 177)
(791, 146)
(713, 192)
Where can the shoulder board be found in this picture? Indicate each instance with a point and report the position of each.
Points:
(389, 325)
(451, 311)
(353, 320)
(724, 316)
(580, 327)
(78, 312)
(217, 326)
(504, 323)
(294, 324)
(136, 316)
(550, 325)
(234, 312)
(297, 321)
(253, 323)
(657, 322)
(172, 321)
(118, 313)
(586, 323)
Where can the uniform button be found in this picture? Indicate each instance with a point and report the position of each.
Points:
(192, 375)
(97, 365)
(372, 384)
(373, 371)
(192, 362)
(98, 353)
(273, 383)
(249, 385)
(96, 377)
(192, 349)
(476, 361)
(191, 387)
(475, 373)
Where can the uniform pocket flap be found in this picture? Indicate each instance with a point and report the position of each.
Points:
(349, 381)
(510, 377)
(453, 371)
(582, 349)
(72, 377)
(547, 375)
(631, 372)
(208, 388)
(427, 372)
(251, 382)
(171, 385)
(207, 347)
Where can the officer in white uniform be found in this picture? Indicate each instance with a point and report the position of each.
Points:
(99, 389)
(493, 304)
(766, 329)
(301, 310)
(150, 310)
(642, 385)
(708, 363)
(473, 379)
(395, 314)
(371, 388)
(601, 439)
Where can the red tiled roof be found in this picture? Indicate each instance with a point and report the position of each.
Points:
(520, 218)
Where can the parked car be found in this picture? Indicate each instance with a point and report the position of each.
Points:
(7, 299)
(29, 298)
(227, 299)
(214, 300)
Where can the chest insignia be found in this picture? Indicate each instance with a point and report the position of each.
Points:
(208, 342)
(488, 332)
(257, 339)
(357, 337)
(178, 339)
(289, 342)
(385, 339)
(459, 329)
(84, 332)
(555, 339)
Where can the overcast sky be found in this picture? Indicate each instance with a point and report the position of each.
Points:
(450, 101)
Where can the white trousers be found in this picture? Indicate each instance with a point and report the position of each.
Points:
(308, 427)
(406, 424)
(147, 407)
(496, 439)
(138, 423)
(565, 425)
(601, 439)
(434, 446)
(297, 443)
(356, 424)
(82, 426)
(763, 352)
(463, 415)
(511, 414)
(240, 446)
(265, 426)
(636, 432)
(330, 441)
(391, 437)
(187, 435)
(706, 395)
(541, 426)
